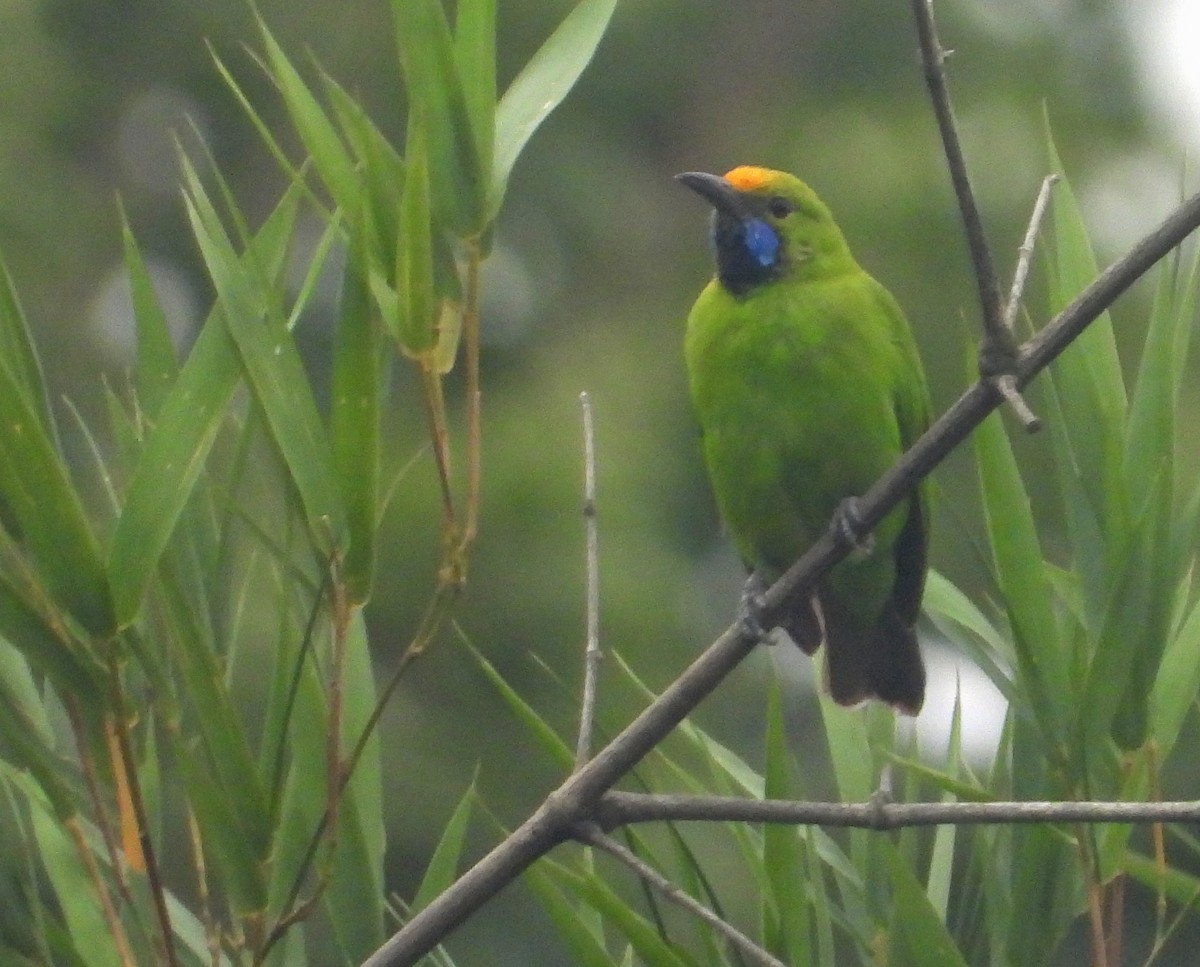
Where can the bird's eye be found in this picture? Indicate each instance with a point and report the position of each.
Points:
(780, 207)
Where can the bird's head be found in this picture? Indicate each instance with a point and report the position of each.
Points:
(767, 225)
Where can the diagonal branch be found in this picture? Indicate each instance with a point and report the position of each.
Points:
(577, 798)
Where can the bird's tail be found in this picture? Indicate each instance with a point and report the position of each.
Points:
(881, 661)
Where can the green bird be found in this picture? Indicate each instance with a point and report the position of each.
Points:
(807, 385)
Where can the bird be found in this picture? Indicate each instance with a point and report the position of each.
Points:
(807, 385)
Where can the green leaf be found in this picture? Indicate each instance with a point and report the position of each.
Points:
(73, 888)
(443, 865)
(20, 355)
(157, 366)
(178, 446)
(435, 93)
(783, 857)
(475, 57)
(417, 301)
(1021, 574)
(928, 941)
(822, 910)
(643, 936)
(42, 500)
(275, 371)
(1089, 382)
(354, 899)
(953, 612)
(558, 751)
(316, 131)
(849, 751)
(1134, 631)
(723, 761)
(237, 863)
(375, 213)
(582, 945)
(354, 414)
(1150, 434)
(541, 86)
(47, 643)
(26, 735)
(1177, 684)
(359, 698)
(1045, 891)
(217, 766)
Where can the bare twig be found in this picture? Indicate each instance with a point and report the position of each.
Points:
(1025, 253)
(622, 808)
(575, 800)
(998, 351)
(592, 835)
(933, 58)
(592, 653)
(1006, 383)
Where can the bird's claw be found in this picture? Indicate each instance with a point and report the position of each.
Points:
(849, 529)
(751, 606)
(881, 798)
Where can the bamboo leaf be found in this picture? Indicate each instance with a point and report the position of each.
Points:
(1088, 376)
(783, 857)
(1177, 684)
(443, 865)
(1021, 573)
(417, 302)
(42, 500)
(553, 746)
(19, 353)
(435, 92)
(47, 643)
(178, 446)
(68, 877)
(642, 936)
(541, 86)
(582, 945)
(157, 366)
(475, 57)
(928, 941)
(276, 374)
(316, 131)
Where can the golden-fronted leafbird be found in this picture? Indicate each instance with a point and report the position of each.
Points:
(807, 386)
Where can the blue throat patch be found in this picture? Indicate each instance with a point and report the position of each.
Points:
(762, 243)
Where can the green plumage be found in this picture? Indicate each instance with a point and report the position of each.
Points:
(807, 386)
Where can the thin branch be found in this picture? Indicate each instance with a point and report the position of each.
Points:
(933, 58)
(112, 919)
(470, 337)
(576, 798)
(622, 808)
(1025, 253)
(591, 835)
(592, 653)
(1006, 383)
(127, 762)
(998, 351)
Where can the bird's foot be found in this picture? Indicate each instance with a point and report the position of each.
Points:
(881, 798)
(849, 529)
(751, 605)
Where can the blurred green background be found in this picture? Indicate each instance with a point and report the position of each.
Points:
(596, 260)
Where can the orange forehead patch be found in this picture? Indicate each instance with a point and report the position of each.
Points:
(748, 177)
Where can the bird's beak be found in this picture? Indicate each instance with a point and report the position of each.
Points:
(716, 191)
